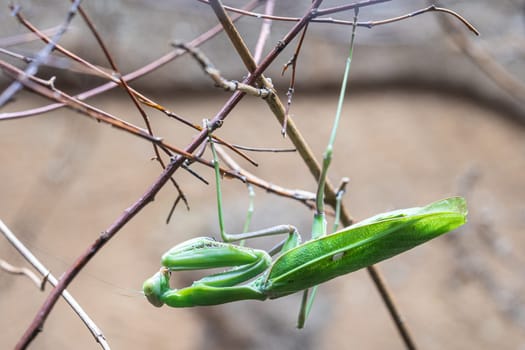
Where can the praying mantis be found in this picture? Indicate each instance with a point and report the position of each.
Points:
(254, 275)
(300, 266)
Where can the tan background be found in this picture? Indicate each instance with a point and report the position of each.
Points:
(420, 123)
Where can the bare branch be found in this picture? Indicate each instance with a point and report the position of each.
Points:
(25, 38)
(150, 193)
(307, 155)
(265, 31)
(24, 271)
(26, 253)
(483, 59)
(32, 69)
(215, 74)
(152, 66)
(366, 24)
(303, 196)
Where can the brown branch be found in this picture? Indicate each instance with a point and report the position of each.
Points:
(297, 19)
(151, 192)
(24, 38)
(152, 66)
(482, 58)
(117, 78)
(32, 69)
(48, 277)
(134, 98)
(37, 85)
(305, 197)
(291, 89)
(264, 32)
(366, 24)
(24, 271)
(308, 157)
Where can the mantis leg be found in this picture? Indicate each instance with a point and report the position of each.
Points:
(204, 253)
(293, 235)
(158, 292)
(319, 223)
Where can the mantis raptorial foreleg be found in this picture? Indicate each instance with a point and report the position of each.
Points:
(203, 253)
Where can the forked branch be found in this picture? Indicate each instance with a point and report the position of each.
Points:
(150, 193)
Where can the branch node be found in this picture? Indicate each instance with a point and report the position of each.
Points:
(44, 281)
(15, 10)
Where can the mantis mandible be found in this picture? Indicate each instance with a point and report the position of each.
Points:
(300, 266)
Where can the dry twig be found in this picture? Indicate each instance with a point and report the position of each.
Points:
(26, 253)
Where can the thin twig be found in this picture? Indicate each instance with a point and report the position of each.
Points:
(366, 24)
(60, 62)
(305, 151)
(264, 33)
(115, 77)
(303, 196)
(150, 193)
(36, 85)
(313, 17)
(133, 97)
(483, 59)
(150, 67)
(291, 88)
(431, 8)
(264, 149)
(26, 253)
(32, 69)
(215, 74)
(15, 270)
(24, 38)
(104, 116)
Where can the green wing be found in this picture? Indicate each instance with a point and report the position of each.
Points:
(363, 244)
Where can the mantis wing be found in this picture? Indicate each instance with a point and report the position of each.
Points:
(363, 244)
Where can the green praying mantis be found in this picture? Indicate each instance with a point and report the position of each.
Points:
(300, 266)
(253, 274)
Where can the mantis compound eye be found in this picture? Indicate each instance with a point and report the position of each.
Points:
(155, 286)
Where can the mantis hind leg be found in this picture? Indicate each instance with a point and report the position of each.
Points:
(319, 224)
(291, 231)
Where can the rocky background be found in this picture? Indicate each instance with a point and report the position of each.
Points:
(424, 119)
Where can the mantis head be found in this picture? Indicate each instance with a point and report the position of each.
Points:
(155, 286)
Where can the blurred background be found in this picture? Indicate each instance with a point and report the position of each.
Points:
(432, 111)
